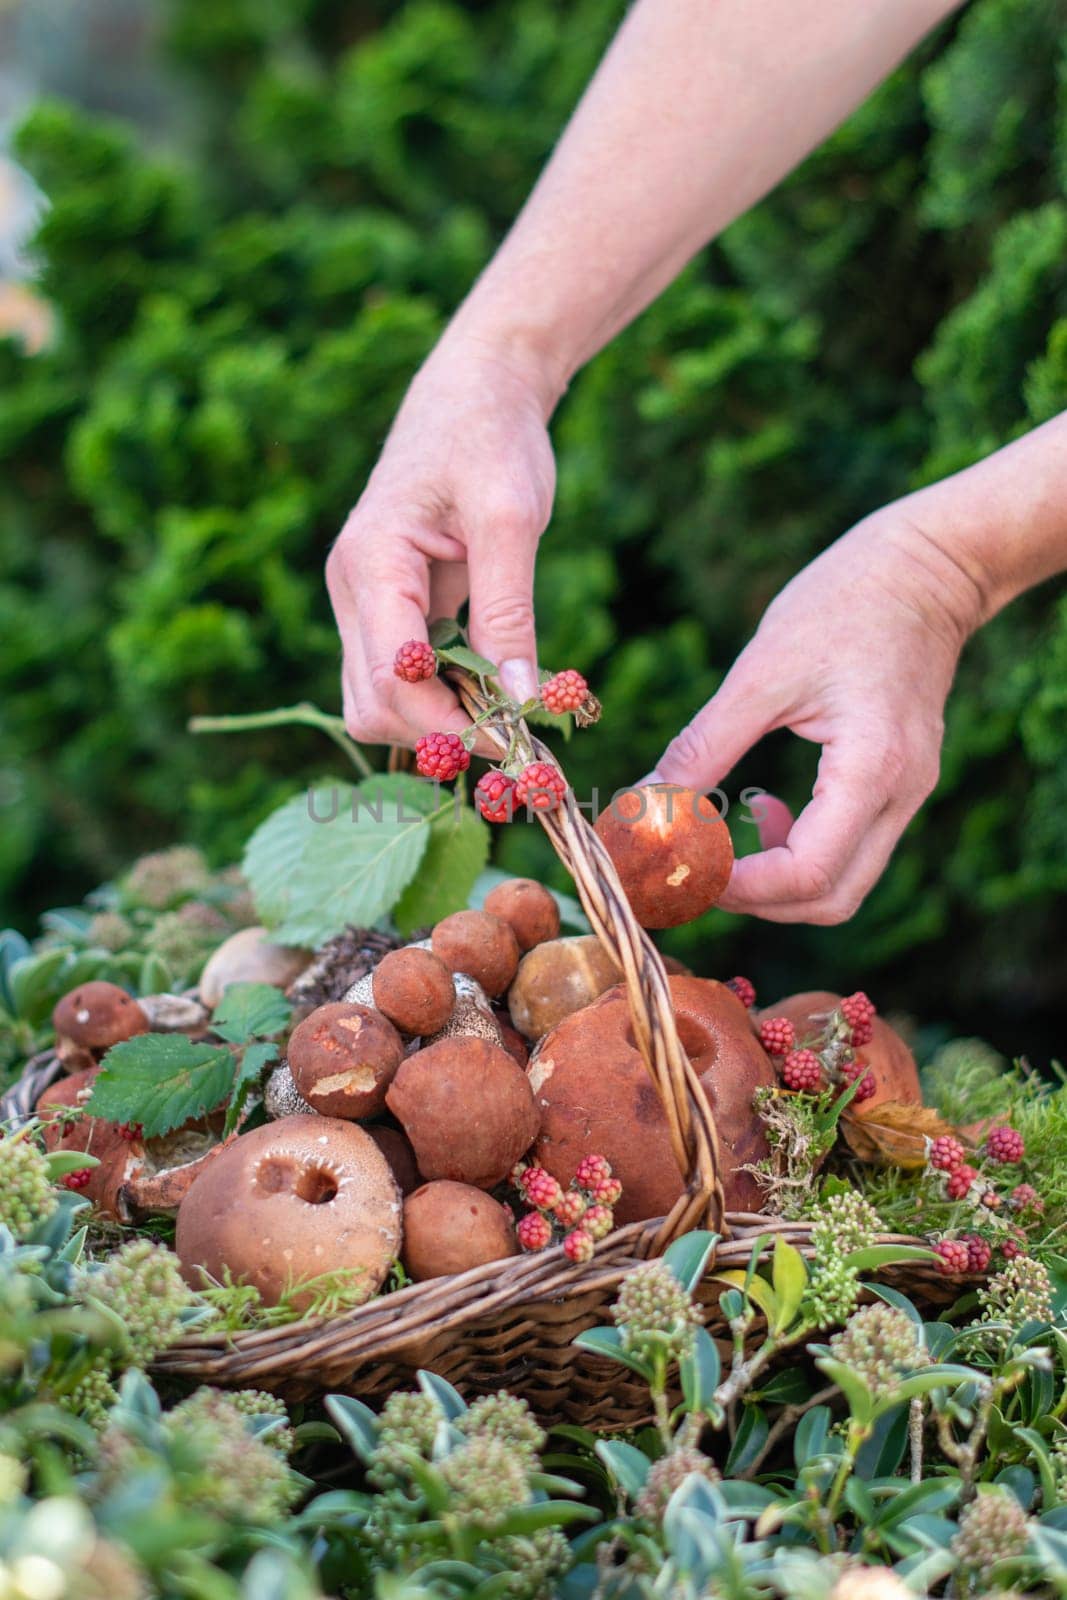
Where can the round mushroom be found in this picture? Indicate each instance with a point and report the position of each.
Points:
(528, 908)
(467, 1108)
(479, 944)
(396, 1149)
(96, 1015)
(343, 1057)
(452, 1227)
(413, 988)
(671, 849)
(557, 978)
(120, 1157)
(288, 1202)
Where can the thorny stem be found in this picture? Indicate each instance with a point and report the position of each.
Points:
(788, 1420)
(305, 713)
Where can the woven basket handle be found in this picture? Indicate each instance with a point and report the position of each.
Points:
(691, 1125)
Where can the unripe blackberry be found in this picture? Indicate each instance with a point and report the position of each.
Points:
(992, 1528)
(508, 1419)
(979, 1252)
(1005, 1146)
(857, 1069)
(598, 1221)
(802, 1071)
(843, 1223)
(533, 1231)
(880, 1343)
(540, 1188)
(1012, 1249)
(26, 1193)
(142, 1284)
(954, 1257)
(442, 756)
(566, 691)
(409, 1421)
(415, 661)
(777, 1035)
(992, 1200)
(1024, 1197)
(591, 1171)
(959, 1182)
(494, 794)
(654, 1312)
(130, 1131)
(578, 1246)
(946, 1153)
(541, 786)
(1021, 1292)
(570, 1208)
(745, 991)
(607, 1191)
(487, 1480)
(859, 1013)
(668, 1474)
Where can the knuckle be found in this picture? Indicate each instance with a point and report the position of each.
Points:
(687, 749)
(815, 882)
(507, 614)
(510, 512)
(835, 910)
(381, 681)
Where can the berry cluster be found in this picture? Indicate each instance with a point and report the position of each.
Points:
(581, 1214)
(130, 1131)
(961, 1179)
(540, 786)
(566, 691)
(777, 1035)
(828, 1053)
(802, 1072)
(494, 795)
(415, 661)
(745, 991)
(442, 756)
(859, 1013)
(78, 1179)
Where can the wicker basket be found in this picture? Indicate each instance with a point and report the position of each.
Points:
(512, 1324)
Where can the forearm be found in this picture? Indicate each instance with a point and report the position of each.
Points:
(1002, 522)
(697, 110)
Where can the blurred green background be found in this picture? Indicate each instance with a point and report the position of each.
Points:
(244, 271)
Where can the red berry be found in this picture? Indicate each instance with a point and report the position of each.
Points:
(77, 1179)
(959, 1182)
(1005, 1146)
(1011, 1248)
(598, 1221)
(534, 1232)
(992, 1200)
(591, 1170)
(777, 1035)
(979, 1252)
(857, 1069)
(579, 1246)
(564, 692)
(415, 661)
(495, 796)
(130, 1130)
(1024, 1197)
(744, 990)
(608, 1191)
(570, 1208)
(859, 1013)
(802, 1071)
(540, 1188)
(946, 1153)
(541, 786)
(442, 756)
(955, 1256)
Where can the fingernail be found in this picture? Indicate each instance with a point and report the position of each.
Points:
(655, 776)
(519, 679)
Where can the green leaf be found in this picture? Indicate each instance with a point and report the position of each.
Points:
(456, 852)
(752, 1431)
(627, 1465)
(444, 632)
(758, 1290)
(32, 982)
(700, 1371)
(608, 1342)
(60, 1162)
(859, 1397)
(1041, 1457)
(688, 1256)
(790, 1278)
(249, 1011)
(874, 1256)
(439, 1389)
(255, 1058)
(461, 655)
(162, 1080)
(356, 1423)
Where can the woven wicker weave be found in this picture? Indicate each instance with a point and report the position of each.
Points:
(512, 1324)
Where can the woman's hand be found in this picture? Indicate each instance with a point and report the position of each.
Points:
(455, 507)
(856, 654)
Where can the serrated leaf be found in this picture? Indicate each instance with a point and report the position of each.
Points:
(249, 1011)
(162, 1081)
(893, 1134)
(461, 655)
(254, 1060)
(457, 850)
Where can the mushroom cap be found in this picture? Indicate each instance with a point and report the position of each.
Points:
(343, 1057)
(413, 988)
(479, 944)
(250, 956)
(529, 909)
(97, 1015)
(288, 1202)
(452, 1227)
(594, 1095)
(671, 849)
(557, 978)
(120, 1159)
(467, 1108)
(396, 1148)
(891, 1063)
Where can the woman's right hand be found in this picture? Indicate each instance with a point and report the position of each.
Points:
(454, 509)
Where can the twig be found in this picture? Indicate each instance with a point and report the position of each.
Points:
(915, 1438)
(788, 1419)
(284, 716)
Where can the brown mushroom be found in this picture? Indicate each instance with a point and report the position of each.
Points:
(595, 1096)
(467, 1109)
(557, 978)
(343, 1057)
(890, 1061)
(479, 944)
(528, 908)
(96, 1015)
(289, 1202)
(452, 1227)
(120, 1157)
(413, 988)
(671, 849)
(396, 1149)
(250, 956)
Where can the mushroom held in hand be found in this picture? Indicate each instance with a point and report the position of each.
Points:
(289, 1202)
(467, 1109)
(451, 1227)
(343, 1057)
(528, 908)
(671, 849)
(481, 945)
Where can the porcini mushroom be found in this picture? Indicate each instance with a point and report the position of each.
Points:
(671, 849)
(343, 1057)
(452, 1227)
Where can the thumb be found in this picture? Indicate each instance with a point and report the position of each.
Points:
(708, 747)
(501, 610)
